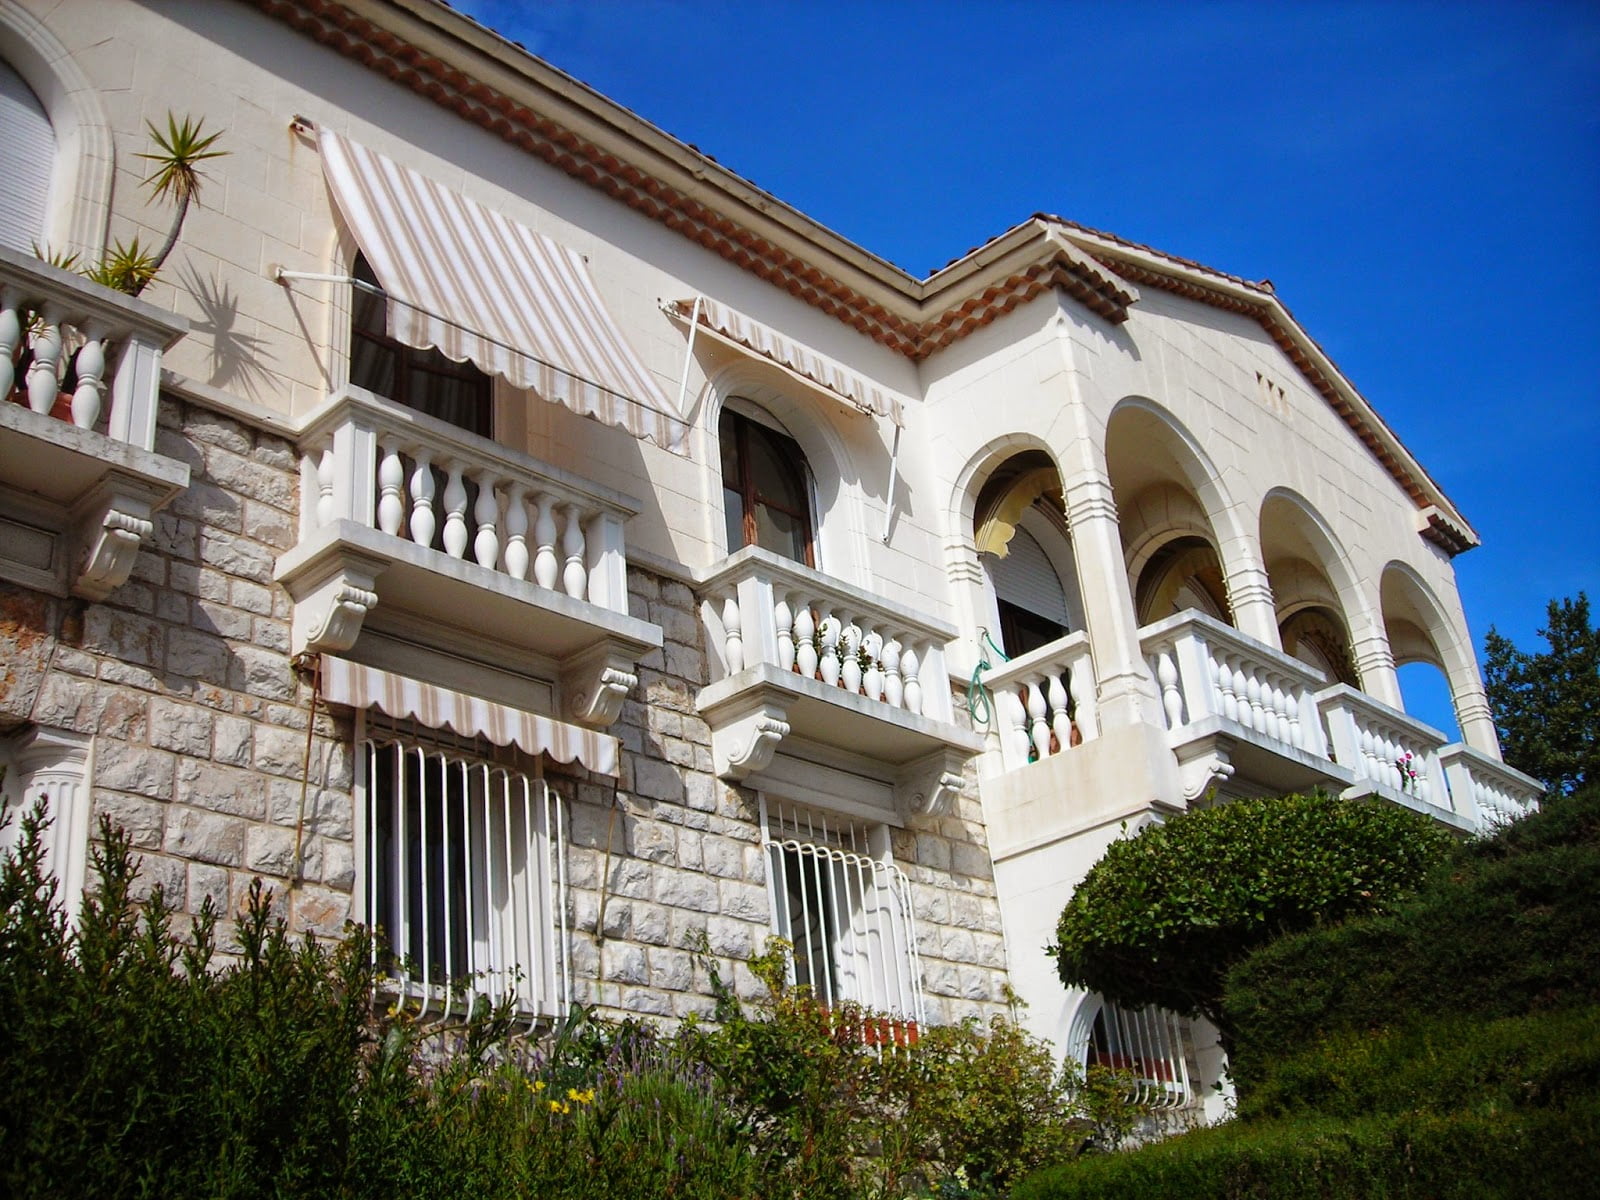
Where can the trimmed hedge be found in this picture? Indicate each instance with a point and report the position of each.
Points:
(1512, 927)
(1410, 1156)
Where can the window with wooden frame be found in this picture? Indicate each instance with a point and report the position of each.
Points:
(766, 496)
(425, 380)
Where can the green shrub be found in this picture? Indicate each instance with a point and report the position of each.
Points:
(1512, 926)
(1163, 915)
(1551, 1153)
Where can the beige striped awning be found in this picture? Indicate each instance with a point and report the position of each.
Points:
(480, 286)
(765, 342)
(359, 686)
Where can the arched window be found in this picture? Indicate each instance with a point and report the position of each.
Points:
(27, 157)
(1316, 637)
(457, 392)
(1183, 574)
(765, 494)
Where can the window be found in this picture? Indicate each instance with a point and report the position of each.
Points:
(845, 908)
(50, 766)
(465, 874)
(764, 489)
(27, 157)
(1148, 1043)
(1030, 597)
(421, 379)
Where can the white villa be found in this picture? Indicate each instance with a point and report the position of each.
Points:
(502, 524)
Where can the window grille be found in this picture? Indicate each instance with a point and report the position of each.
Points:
(466, 875)
(1148, 1043)
(846, 910)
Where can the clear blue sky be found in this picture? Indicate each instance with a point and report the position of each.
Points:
(1421, 181)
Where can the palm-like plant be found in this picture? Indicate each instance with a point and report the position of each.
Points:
(178, 153)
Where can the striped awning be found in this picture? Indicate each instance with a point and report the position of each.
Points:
(480, 286)
(765, 342)
(359, 686)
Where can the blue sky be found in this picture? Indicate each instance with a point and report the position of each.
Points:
(1421, 181)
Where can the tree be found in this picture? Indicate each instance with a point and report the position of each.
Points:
(1547, 706)
(1162, 916)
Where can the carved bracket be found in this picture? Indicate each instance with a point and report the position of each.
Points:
(331, 601)
(111, 523)
(595, 683)
(930, 786)
(744, 738)
(1203, 770)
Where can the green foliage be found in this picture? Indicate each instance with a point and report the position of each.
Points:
(1163, 915)
(1531, 1155)
(1547, 705)
(1513, 925)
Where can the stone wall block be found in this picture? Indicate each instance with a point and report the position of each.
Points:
(686, 889)
(700, 791)
(651, 924)
(261, 673)
(280, 751)
(206, 836)
(671, 970)
(656, 780)
(623, 964)
(171, 875)
(236, 556)
(122, 635)
(250, 480)
(198, 654)
(653, 841)
(269, 850)
(127, 768)
(743, 900)
(143, 819)
(338, 863)
(269, 525)
(221, 789)
(183, 728)
(209, 507)
(209, 883)
(631, 877)
(730, 938)
(233, 741)
(723, 857)
(318, 910)
(971, 858)
(643, 1000)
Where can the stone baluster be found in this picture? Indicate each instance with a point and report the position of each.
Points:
(1171, 694)
(1038, 722)
(910, 664)
(424, 521)
(1080, 682)
(574, 576)
(44, 373)
(805, 641)
(327, 467)
(486, 512)
(1060, 719)
(850, 658)
(90, 363)
(783, 619)
(1225, 688)
(872, 675)
(391, 487)
(10, 340)
(546, 567)
(455, 511)
(893, 685)
(517, 531)
(733, 634)
(1014, 725)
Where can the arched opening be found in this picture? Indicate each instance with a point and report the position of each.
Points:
(1310, 579)
(1185, 573)
(1023, 544)
(1429, 662)
(766, 488)
(1316, 636)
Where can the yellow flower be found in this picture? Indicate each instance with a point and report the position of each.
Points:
(584, 1097)
(557, 1107)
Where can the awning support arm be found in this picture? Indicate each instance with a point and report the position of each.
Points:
(894, 475)
(688, 353)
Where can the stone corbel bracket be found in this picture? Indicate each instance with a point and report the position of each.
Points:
(332, 596)
(1202, 770)
(109, 525)
(930, 786)
(745, 734)
(596, 682)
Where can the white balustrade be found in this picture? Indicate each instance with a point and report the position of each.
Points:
(1044, 701)
(463, 497)
(1207, 670)
(766, 609)
(1484, 789)
(65, 343)
(1385, 747)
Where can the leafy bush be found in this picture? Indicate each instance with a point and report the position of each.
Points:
(1163, 915)
(1410, 1156)
(1512, 926)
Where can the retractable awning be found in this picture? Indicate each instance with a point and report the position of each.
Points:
(765, 342)
(360, 686)
(480, 286)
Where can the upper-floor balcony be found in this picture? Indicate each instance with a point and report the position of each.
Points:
(1238, 710)
(80, 375)
(804, 658)
(451, 533)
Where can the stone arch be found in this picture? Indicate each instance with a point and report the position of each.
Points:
(1321, 609)
(837, 519)
(85, 157)
(1418, 628)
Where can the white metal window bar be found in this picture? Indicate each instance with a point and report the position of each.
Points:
(845, 908)
(466, 874)
(1148, 1043)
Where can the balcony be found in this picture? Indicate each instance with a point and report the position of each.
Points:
(1234, 706)
(1044, 701)
(458, 539)
(81, 478)
(813, 662)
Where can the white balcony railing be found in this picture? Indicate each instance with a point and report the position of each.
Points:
(797, 652)
(1478, 782)
(66, 344)
(1385, 748)
(1044, 700)
(1209, 672)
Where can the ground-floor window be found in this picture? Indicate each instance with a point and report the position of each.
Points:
(845, 907)
(1149, 1044)
(465, 872)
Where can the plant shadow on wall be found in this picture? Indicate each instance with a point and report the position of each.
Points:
(238, 359)
(140, 1059)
